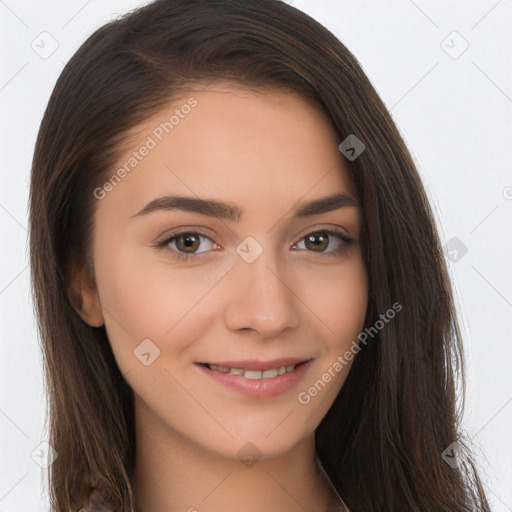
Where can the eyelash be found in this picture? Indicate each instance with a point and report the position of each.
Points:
(346, 241)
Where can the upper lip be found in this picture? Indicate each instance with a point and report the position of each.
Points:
(255, 364)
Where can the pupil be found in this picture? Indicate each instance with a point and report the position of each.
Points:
(317, 238)
(189, 241)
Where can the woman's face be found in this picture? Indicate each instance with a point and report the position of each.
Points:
(264, 287)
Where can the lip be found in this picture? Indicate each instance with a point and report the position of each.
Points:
(256, 364)
(259, 388)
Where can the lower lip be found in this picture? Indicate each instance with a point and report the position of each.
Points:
(259, 388)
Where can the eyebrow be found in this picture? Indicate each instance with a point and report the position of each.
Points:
(230, 211)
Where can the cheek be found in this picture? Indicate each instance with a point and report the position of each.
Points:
(340, 302)
(144, 299)
(339, 298)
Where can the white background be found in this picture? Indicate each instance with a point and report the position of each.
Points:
(455, 115)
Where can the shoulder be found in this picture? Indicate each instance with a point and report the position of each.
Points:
(95, 503)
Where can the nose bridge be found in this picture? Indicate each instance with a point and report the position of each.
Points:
(260, 298)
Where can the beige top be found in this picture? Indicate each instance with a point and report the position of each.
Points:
(342, 507)
(95, 504)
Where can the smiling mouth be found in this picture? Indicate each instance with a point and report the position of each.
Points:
(252, 374)
(255, 378)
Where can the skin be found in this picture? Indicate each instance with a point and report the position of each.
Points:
(267, 152)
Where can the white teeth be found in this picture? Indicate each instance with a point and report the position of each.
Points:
(254, 374)
(270, 374)
(224, 369)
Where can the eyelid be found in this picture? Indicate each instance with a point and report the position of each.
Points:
(337, 230)
(163, 239)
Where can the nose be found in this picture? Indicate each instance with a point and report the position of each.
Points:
(260, 298)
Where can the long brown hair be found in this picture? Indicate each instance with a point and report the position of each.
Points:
(381, 442)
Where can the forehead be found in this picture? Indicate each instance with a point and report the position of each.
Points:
(248, 145)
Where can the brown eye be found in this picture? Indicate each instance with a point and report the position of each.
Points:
(317, 242)
(187, 244)
(190, 242)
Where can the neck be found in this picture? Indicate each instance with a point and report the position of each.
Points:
(174, 474)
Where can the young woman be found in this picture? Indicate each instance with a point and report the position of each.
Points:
(241, 293)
